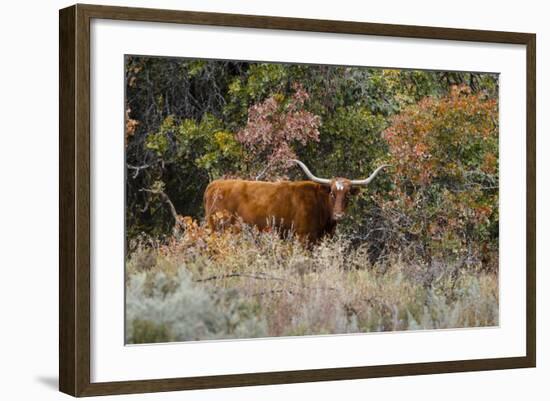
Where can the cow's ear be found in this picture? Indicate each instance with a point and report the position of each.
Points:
(354, 190)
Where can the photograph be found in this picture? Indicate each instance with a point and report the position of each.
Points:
(243, 201)
(273, 200)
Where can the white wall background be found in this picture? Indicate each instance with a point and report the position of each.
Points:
(29, 185)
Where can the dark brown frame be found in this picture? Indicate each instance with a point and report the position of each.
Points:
(74, 199)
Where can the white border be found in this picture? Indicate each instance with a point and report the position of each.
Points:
(112, 361)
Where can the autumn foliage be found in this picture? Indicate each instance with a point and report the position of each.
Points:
(189, 122)
(273, 126)
(445, 179)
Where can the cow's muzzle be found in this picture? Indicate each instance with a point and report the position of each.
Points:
(338, 216)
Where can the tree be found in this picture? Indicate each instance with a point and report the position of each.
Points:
(273, 126)
(188, 122)
(445, 193)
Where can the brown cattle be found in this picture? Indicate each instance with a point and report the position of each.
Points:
(310, 209)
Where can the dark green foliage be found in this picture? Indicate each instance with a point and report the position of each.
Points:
(186, 118)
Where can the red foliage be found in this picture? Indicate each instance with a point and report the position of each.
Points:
(445, 153)
(274, 125)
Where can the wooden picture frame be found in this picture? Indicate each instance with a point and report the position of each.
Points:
(74, 200)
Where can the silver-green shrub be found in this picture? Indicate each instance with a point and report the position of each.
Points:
(208, 285)
(160, 308)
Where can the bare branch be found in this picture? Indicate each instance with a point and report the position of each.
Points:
(260, 277)
(138, 168)
(166, 199)
(223, 276)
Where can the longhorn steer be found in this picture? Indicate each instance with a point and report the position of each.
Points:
(310, 209)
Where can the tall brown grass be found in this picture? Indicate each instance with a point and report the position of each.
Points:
(243, 284)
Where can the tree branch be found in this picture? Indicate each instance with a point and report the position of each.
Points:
(166, 199)
(138, 168)
(259, 277)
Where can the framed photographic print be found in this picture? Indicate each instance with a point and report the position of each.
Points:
(250, 200)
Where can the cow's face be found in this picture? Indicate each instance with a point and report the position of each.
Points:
(340, 191)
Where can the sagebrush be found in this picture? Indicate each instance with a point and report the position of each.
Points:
(241, 283)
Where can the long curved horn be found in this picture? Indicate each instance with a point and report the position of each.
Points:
(371, 177)
(324, 181)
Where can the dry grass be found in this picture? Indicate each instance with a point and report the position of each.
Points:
(243, 284)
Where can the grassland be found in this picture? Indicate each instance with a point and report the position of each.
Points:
(203, 285)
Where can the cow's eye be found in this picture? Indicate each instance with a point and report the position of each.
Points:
(333, 196)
